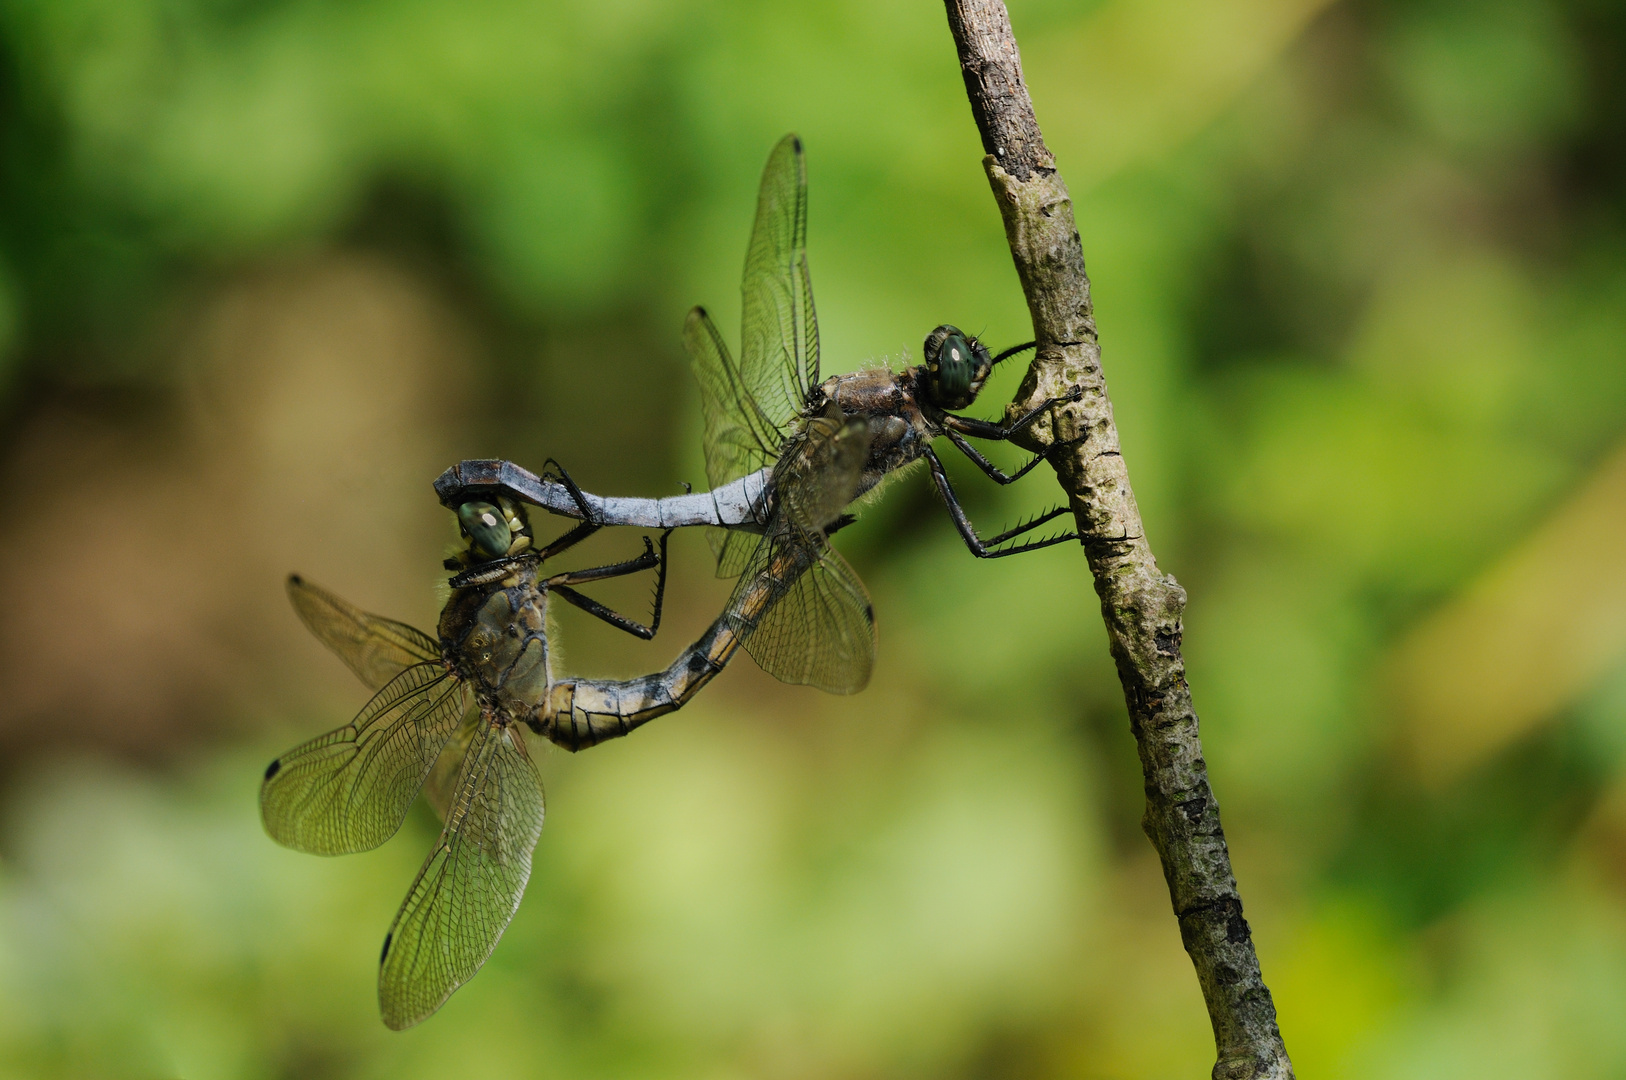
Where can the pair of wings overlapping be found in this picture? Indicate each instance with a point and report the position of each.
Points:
(817, 627)
(349, 790)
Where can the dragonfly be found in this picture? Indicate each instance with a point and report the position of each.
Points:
(448, 711)
(766, 413)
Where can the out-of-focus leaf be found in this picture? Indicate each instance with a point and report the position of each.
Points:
(1135, 79)
(1525, 640)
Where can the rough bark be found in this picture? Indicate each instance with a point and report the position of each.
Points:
(1141, 605)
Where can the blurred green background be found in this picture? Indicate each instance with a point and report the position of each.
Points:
(268, 266)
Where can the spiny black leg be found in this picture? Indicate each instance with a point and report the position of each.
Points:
(570, 539)
(590, 522)
(987, 429)
(614, 618)
(1027, 526)
(993, 471)
(1075, 394)
(660, 584)
(576, 493)
(649, 559)
(1012, 351)
(968, 533)
(839, 523)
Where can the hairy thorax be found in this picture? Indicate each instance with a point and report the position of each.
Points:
(900, 427)
(494, 636)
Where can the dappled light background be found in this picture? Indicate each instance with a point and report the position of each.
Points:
(268, 266)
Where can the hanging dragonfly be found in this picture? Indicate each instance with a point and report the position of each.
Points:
(448, 710)
(760, 414)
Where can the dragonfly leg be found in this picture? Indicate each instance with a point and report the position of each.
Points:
(957, 427)
(560, 583)
(570, 539)
(590, 521)
(987, 429)
(989, 549)
(1027, 526)
(1012, 351)
(992, 471)
(614, 618)
(576, 492)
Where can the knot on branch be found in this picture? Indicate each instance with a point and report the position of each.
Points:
(1221, 917)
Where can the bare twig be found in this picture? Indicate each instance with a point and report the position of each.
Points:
(1141, 605)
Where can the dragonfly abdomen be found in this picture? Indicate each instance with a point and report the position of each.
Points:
(739, 502)
(579, 713)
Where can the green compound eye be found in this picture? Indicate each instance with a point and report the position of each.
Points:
(486, 528)
(954, 367)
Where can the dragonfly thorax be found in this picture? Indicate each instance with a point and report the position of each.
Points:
(495, 636)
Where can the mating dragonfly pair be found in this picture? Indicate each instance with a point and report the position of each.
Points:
(786, 454)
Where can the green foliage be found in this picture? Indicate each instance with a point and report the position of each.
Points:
(1361, 279)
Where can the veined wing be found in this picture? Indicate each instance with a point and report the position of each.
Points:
(376, 649)
(349, 790)
(803, 615)
(799, 609)
(471, 884)
(440, 786)
(740, 437)
(821, 470)
(750, 407)
(779, 335)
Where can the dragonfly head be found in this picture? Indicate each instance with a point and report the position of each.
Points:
(957, 364)
(493, 530)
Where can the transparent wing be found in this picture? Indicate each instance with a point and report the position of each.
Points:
(349, 790)
(471, 884)
(376, 649)
(815, 480)
(740, 438)
(751, 407)
(440, 786)
(821, 471)
(779, 335)
(733, 548)
(804, 616)
(799, 609)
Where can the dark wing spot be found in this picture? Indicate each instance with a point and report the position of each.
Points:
(273, 768)
(295, 579)
(869, 612)
(796, 141)
(387, 939)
